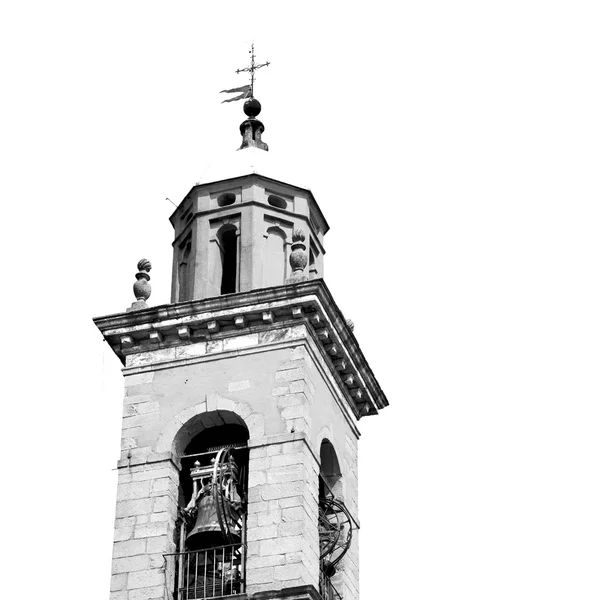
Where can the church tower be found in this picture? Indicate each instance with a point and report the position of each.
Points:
(238, 468)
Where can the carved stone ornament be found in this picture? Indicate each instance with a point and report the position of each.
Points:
(298, 257)
(141, 288)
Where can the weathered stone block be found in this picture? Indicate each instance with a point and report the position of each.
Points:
(161, 544)
(130, 564)
(284, 460)
(134, 490)
(281, 490)
(281, 545)
(259, 464)
(128, 548)
(286, 473)
(130, 508)
(291, 400)
(295, 513)
(145, 579)
(256, 477)
(291, 374)
(240, 341)
(290, 364)
(290, 571)
(258, 452)
(259, 575)
(147, 593)
(281, 390)
(301, 386)
(257, 562)
(162, 484)
(297, 500)
(151, 472)
(261, 533)
(191, 350)
(274, 449)
(291, 528)
(295, 412)
(151, 529)
(269, 517)
(118, 582)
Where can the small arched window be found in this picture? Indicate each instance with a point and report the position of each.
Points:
(274, 258)
(184, 272)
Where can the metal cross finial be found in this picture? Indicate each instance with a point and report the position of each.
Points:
(251, 69)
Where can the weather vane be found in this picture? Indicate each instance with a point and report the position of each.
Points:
(251, 69)
(245, 91)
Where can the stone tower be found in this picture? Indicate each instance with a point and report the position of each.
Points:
(238, 468)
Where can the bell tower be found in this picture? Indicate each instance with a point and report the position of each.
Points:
(238, 468)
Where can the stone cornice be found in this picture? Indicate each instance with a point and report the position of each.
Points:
(256, 177)
(221, 317)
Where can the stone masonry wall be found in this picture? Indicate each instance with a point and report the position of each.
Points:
(282, 516)
(286, 403)
(144, 527)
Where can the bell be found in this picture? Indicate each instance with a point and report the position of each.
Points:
(207, 531)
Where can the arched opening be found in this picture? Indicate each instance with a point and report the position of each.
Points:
(274, 258)
(335, 522)
(229, 259)
(184, 271)
(226, 199)
(211, 529)
(330, 480)
(277, 201)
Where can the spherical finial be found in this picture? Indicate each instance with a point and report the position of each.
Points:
(252, 107)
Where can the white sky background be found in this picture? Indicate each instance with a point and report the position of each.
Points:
(453, 148)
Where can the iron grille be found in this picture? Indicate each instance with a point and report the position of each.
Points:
(327, 589)
(209, 573)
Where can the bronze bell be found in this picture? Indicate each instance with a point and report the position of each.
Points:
(207, 531)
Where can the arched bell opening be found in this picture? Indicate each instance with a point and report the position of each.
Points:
(335, 522)
(330, 480)
(211, 533)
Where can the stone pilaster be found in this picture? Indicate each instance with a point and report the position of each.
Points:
(144, 526)
(282, 515)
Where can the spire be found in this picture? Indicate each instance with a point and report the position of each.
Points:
(252, 129)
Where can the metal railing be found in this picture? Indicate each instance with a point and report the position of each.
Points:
(209, 573)
(327, 589)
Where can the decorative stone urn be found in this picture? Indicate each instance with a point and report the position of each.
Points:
(141, 288)
(298, 257)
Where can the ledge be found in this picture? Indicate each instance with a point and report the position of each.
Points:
(303, 592)
(256, 312)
